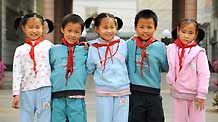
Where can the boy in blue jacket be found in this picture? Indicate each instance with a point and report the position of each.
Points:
(69, 73)
(146, 59)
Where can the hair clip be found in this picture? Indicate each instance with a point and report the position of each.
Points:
(22, 18)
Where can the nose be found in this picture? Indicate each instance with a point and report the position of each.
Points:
(34, 30)
(72, 34)
(186, 35)
(145, 30)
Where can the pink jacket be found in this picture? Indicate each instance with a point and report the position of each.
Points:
(193, 79)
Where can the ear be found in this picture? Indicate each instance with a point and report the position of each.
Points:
(177, 31)
(23, 28)
(196, 35)
(62, 30)
(96, 30)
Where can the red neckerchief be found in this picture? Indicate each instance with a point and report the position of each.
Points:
(179, 44)
(70, 61)
(107, 45)
(32, 53)
(143, 47)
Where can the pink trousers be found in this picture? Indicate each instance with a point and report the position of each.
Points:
(185, 111)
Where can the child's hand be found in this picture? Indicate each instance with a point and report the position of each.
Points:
(199, 103)
(16, 102)
(86, 45)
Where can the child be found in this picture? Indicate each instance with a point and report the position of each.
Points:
(146, 59)
(69, 73)
(188, 74)
(106, 58)
(31, 70)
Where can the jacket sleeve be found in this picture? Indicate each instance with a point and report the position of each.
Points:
(203, 75)
(163, 58)
(17, 71)
(91, 66)
(171, 57)
(51, 61)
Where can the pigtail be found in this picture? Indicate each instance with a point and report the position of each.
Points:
(119, 23)
(88, 22)
(50, 25)
(201, 35)
(17, 22)
(174, 34)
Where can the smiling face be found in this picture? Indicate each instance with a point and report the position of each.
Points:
(145, 28)
(187, 33)
(33, 28)
(72, 32)
(107, 28)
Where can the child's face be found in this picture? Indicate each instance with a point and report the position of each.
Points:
(33, 28)
(187, 33)
(72, 32)
(107, 29)
(145, 28)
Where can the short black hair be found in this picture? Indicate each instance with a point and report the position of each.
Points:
(74, 18)
(146, 13)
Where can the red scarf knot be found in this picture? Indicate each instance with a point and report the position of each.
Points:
(107, 45)
(70, 61)
(143, 47)
(179, 44)
(32, 52)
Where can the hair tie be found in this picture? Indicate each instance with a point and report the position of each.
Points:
(35, 15)
(22, 18)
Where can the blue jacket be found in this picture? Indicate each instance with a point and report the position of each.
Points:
(58, 61)
(150, 81)
(115, 76)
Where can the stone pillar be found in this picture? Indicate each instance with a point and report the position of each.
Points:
(61, 8)
(183, 9)
(178, 12)
(191, 9)
(48, 12)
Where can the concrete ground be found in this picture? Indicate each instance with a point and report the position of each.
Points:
(8, 114)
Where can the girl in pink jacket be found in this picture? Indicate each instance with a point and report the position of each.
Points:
(188, 74)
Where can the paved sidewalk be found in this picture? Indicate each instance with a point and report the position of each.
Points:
(8, 114)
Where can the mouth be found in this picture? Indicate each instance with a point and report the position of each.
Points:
(34, 35)
(109, 35)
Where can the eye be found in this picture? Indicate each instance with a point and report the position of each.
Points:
(30, 27)
(191, 32)
(77, 32)
(69, 30)
(37, 27)
(149, 27)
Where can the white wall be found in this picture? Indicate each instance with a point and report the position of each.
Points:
(205, 15)
(125, 9)
(163, 9)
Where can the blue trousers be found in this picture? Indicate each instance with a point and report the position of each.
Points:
(68, 110)
(112, 108)
(35, 103)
